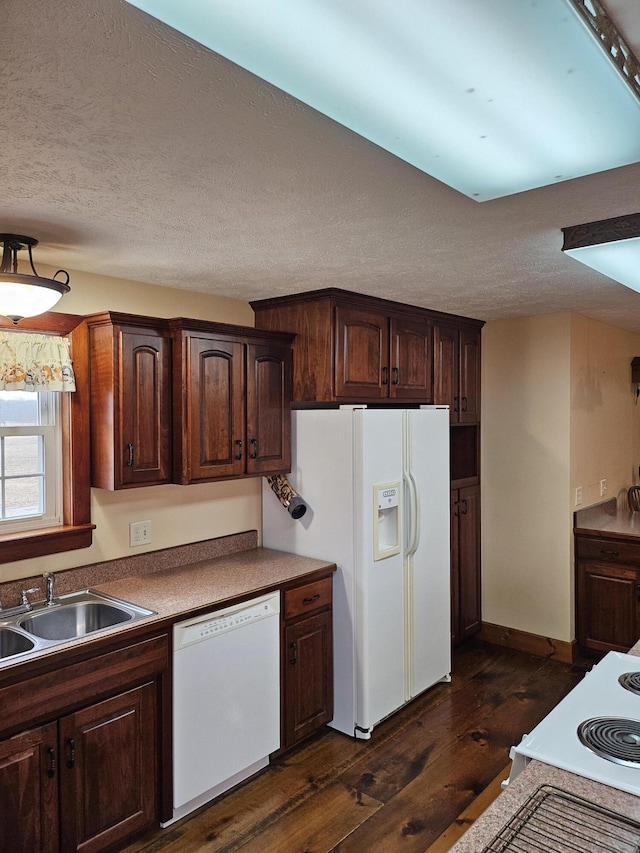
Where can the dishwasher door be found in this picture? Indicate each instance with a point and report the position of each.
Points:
(226, 699)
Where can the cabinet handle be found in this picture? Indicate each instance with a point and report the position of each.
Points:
(456, 404)
(239, 446)
(396, 376)
(385, 375)
(638, 592)
(610, 553)
(51, 769)
(129, 455)
(71, 761)
(457, 509)
(294, 653)
(465, 506)
(311, 598)
(464, 404)
(254, 448)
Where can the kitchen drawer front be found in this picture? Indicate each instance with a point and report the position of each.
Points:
(608, 550)
(307, 598)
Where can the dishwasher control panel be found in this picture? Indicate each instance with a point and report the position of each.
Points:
(227, 619)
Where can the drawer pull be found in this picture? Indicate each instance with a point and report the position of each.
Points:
(71, 761)
(609, 553)
(311, 598)
(51, 769)
(294, 653)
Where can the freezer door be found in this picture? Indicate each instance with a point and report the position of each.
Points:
(427, 569)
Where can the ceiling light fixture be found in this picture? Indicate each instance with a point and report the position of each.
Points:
(610, 246)
(491, 98)
(25, 295)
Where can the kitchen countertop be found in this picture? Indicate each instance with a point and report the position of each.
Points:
(179, 592)
(605, 520)
(536, 773)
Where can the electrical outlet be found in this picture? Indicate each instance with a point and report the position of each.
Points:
(139, 533)
(603, 488)
(578, 495)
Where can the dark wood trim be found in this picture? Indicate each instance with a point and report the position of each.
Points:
(387, 305)
(51, 321)
(222, 330)
(532, 644)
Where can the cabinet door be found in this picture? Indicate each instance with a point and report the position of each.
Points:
(469, 376)
(607, 606)
(268, 409)
(361, 354)
(214, 400)
(108, 771)
(29, 792)
(446, 388)
(411, 360)
(456, 636)
(308, 676)
(144, 456)
(469, 560)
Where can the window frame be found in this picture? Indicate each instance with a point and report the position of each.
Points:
(76, 530)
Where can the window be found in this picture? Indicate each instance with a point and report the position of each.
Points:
(34, 521)
(30, 460)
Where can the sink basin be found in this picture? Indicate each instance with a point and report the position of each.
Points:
(78, 614)
(74, 620)
(12, 643)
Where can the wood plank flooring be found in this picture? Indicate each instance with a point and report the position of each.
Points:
(410, 788)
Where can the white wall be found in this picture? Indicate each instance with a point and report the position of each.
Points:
(525, 474)
(179, 514)
(558, 411)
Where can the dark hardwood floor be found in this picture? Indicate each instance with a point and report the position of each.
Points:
(396, 792)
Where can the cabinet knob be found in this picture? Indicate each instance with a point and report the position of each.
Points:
(239, 448)
(129, 455)
(254, 448)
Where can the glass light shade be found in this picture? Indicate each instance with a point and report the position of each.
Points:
(491, 98)
(619, 260)
(28, 295)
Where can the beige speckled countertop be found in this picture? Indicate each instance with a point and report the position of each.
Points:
(180, 592)
(535, 774)
(174, 586)
(604, 519)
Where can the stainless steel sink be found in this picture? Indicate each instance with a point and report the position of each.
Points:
(71, 616)
(13, 643)
(74, 620)
(77, 614)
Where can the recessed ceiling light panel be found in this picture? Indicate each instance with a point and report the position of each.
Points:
(491, 98)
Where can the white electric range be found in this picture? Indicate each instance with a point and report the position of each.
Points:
(595, 730)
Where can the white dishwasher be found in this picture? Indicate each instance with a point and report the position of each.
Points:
(226, 699)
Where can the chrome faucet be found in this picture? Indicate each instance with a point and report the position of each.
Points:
(48, 576)
(24, 598)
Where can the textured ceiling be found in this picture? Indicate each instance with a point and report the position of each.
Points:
(128, 150)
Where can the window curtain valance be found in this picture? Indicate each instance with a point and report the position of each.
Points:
(31, 362)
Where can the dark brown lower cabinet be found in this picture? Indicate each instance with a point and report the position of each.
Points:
(85, 782)
(29, 792)
(607, 606)
(307, 660)
(466, 612)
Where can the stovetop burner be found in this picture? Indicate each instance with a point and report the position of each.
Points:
(630, 681)
(614, 738)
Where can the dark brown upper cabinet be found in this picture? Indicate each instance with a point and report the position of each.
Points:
(232, 401)
(457, 370)
(355, 348)
(130, 362)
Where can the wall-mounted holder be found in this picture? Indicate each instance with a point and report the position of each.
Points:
(287, 495)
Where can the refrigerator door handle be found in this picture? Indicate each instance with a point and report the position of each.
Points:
(413, 537)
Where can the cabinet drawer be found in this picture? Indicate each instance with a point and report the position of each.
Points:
(608, 550)
(307, 598)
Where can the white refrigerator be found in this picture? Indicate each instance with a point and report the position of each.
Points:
(376, 483)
